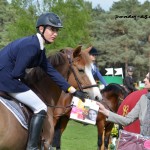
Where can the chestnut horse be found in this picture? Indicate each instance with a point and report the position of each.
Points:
(76, 68)
(113, 94)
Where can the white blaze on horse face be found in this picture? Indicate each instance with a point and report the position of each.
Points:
(94, 91)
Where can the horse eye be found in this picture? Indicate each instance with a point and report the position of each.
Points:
(81, 70)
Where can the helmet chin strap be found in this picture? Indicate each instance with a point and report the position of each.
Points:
(42, 34)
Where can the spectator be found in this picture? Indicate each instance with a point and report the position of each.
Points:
(129, 80)
(95, 71)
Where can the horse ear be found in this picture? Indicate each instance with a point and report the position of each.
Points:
(77, 51)
(88, 49)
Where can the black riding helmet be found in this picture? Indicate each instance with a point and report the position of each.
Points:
(93, 51)
(130, 69)
(48, 19)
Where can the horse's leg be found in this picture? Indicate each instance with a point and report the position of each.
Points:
(57, 135)
(57, 132)
(60, 118)
(59, 129)
(12, 135)
(106, 139)
(48, 130)
(100, 129)
(108, 129)
(57, 124)
(64, 122)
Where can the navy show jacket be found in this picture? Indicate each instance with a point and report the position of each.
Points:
(20, 55)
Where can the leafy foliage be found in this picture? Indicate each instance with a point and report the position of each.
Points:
(122, 34)
(6, 18)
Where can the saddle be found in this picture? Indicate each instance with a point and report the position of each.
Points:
(5, 95)
(25, 110)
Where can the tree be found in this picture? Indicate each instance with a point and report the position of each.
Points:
(6, 18)
(25, 19)
(75, 15)
(117, 35)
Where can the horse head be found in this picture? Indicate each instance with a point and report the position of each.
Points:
(80, 72)
(113, 95)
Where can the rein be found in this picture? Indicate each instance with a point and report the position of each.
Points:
(90, 86)
(62, 107)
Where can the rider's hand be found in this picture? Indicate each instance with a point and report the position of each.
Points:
(80, 94)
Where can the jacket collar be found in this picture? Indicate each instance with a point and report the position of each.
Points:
(40, 41)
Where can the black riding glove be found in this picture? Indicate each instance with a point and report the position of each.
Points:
(80, 94)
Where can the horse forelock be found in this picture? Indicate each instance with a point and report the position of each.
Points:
(122, 89)
(79, 62)
(85, 57)
(114, 89)
(67, 51)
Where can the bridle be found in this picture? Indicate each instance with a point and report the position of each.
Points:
(81, 88)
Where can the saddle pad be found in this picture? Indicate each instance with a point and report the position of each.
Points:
(16, 110)
(132, 141)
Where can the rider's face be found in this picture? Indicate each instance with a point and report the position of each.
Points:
(93, 57)
(50, 33)
(130, 73)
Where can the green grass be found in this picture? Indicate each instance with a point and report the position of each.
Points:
(79, 137)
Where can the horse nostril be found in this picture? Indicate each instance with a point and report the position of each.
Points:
(86, 95)
(97, 98)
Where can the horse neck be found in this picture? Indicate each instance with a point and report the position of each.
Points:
(43, 86)
(49, 91)
(63, 70)
(112, 103)
(117, 102)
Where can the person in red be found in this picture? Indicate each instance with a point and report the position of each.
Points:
(127, 105)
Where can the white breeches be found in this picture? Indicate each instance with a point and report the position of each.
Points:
(30, 99)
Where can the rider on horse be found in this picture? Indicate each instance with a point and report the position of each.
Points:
(95, 71)
(26, 53)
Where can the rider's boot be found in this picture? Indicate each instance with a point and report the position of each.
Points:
(35, 130)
